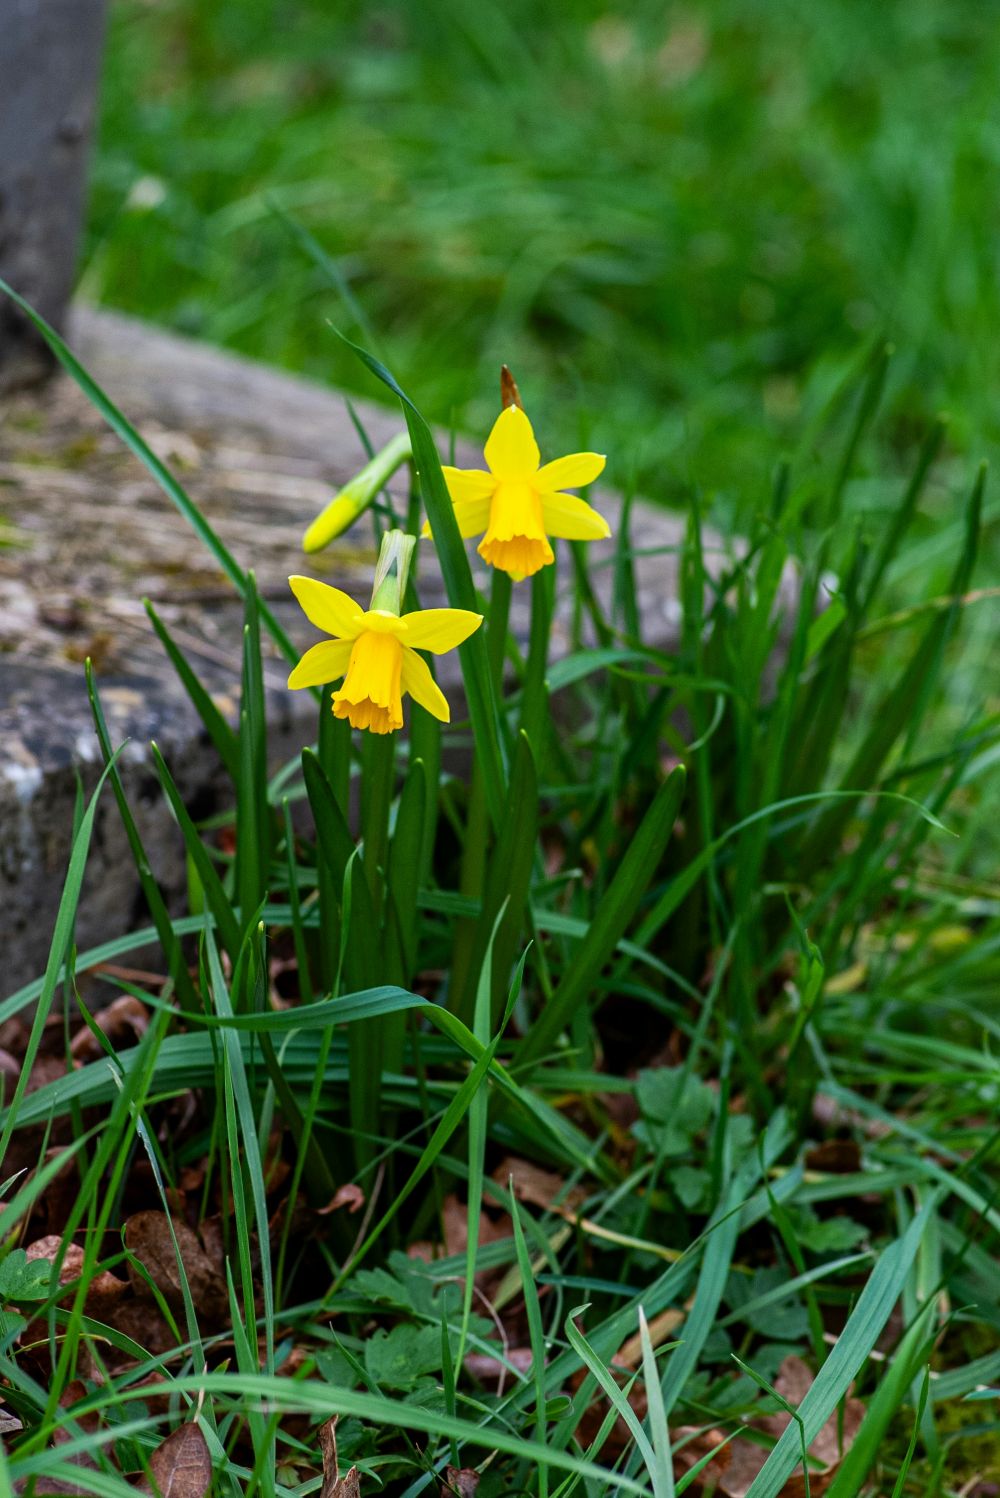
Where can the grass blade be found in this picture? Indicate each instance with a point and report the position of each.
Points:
(614, 914)
(855, 1342)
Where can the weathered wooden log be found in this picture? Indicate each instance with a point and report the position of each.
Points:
(89, 534)
(49, 64)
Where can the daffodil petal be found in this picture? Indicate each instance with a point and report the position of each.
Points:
(418, 681)
(573, 519)
(571, 472)
(328, 608)
(471, 515)
(325, 662)
(511, 450)
(440, 629)
(468, 483)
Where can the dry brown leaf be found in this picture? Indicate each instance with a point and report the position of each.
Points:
(335, 1486)
(630, 1352)
(834, 1157)
(350, 1196)
(490, 1369)
(734, 1476)
(456, 1227)
(105, 1289)
(148, 1237)
(142, 1321)
(538, 1187)
(74, 1391)
(692, 1442)
(181, 1466)
(125, 1020)
(459, 1482)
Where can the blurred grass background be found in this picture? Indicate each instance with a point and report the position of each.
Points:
(682, 225)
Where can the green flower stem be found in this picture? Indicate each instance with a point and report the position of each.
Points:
(377, 779)
(334, 754)
(534, 701)
(496, 627)
(477, 827)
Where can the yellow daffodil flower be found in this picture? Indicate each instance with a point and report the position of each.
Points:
(519, 504)
(376, 651)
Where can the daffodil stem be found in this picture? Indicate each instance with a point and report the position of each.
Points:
(496, 638)
(378, 768)
(333, 747)
(477, 826)
(534, 702)
(471, 877)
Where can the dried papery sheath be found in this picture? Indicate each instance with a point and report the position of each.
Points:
(392, 571)
(509, 393)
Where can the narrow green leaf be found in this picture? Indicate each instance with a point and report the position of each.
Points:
(336, 849)
(662, 1470)
(891, 1394)
(222, 736)
(150, 888)
(536, 1331)
(855, 1342)
(313, 1397)
(253, 817)
(895, 532)
(607, 1382)
(404, 870)
(901, 710)
(616, 910)
(508, 877)
(62, 936)
(244, 1154)
(218, 901)
(868, 404)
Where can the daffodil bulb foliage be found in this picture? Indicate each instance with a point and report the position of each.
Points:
(519, 506)
(375, 651)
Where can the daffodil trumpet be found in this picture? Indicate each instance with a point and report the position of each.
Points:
(375, 650)
(356, 495)
(518, 505)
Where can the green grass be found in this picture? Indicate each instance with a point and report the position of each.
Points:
(678, 224)
(709, 935)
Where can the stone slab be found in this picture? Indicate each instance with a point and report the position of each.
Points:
(88, 533)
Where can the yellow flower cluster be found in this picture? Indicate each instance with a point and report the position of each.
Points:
(518, 505)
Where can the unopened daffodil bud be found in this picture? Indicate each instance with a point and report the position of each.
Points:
(357, 495)
(392, 571)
